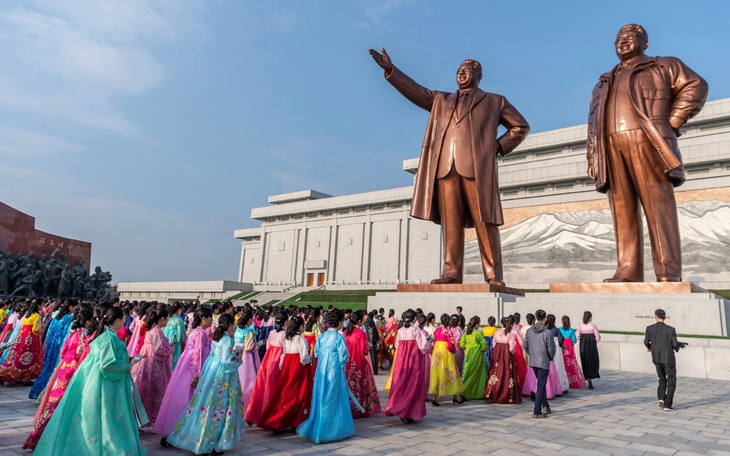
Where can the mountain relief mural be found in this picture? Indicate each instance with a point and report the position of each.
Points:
(579, 247)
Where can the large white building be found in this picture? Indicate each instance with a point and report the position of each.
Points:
(557, 227)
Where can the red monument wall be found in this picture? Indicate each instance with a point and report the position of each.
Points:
(19, 235)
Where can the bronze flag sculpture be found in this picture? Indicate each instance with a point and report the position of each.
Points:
(635, 114)
(456, 182)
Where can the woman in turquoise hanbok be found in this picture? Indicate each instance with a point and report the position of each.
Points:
(97, 413)
(174, 331)
(330, 418)
(213, 420)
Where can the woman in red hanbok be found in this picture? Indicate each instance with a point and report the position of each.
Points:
(358, 371)
(572, 368)
(407, 397)
(72, 353)
(24, 361)
(503, 383)
(519, 358)
(291, 396)
(153, 372)
(266, 378)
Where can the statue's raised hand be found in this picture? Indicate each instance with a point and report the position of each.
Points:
(382, 59)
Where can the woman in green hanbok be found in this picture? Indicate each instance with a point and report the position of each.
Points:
(101, 412)
(474, 375)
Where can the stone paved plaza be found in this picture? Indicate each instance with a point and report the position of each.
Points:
(619, 417)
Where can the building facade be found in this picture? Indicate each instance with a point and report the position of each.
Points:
(557, 227)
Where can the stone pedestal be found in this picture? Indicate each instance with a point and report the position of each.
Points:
(458, 288)
(630, 306)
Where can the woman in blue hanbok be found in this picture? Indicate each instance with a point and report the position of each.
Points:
(213, 420)
(330, 418)
(55, 337)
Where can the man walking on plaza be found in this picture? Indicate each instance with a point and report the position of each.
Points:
(661, 341)
(539, 344)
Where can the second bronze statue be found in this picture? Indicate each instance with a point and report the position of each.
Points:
(457, 184)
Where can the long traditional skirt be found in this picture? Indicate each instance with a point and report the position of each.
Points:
(572, 368)
(503, 384)
(264, 386)
(406, 392)
(445, 377)
(292, 395)
(24, 361)
(589, 356)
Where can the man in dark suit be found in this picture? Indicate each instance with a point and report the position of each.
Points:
(661, 341)
(457, 184)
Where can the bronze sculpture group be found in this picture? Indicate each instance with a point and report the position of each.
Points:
(635, 115)
(23, 275)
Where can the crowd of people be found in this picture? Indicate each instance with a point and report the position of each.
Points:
(195, 374)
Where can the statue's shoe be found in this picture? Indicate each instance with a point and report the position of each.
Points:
(668, 278)
(444, 280)
(616, 279)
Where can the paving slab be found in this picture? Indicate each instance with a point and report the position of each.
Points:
(620, 416)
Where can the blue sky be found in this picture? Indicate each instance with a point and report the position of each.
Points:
(152, 129)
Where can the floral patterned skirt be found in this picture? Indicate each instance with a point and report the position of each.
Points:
(503, 383)
(214, 416)
(445, 377)
(24, 361)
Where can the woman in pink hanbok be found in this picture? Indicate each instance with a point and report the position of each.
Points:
(138, 329)
(185, 378)
(152, 373)
(457, 332)
(245, 340)
(407, 397)
(71, 355)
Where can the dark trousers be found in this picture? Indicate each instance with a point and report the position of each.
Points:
(541, 393)
(667, 383)
(374, 359)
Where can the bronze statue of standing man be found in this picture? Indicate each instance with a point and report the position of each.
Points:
(456, 183)
(636, 112)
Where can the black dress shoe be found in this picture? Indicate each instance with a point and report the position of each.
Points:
(163, 442)
(435, 403)
(457, 401)
(444, 280)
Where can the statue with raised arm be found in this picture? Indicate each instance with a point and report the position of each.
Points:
(456, 183)
(635, 116)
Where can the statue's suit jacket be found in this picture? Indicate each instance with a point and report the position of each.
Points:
(665, 94)
(488, 112)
